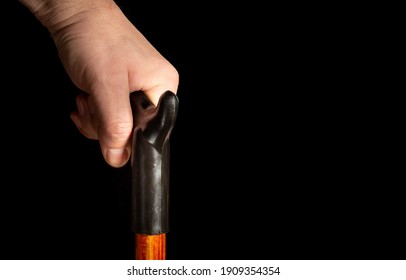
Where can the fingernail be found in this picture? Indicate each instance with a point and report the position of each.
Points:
(117, 157)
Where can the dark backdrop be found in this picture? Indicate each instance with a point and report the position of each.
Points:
(279, 151)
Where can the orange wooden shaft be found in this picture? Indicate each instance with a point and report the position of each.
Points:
(150, 247)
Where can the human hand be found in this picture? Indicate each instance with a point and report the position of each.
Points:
(107, 58)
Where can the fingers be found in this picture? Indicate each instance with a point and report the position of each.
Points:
(84, 118)
(106, 117)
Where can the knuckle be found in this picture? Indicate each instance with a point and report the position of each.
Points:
(118, 131)
(171, 76)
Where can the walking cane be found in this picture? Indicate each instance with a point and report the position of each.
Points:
(150, 173)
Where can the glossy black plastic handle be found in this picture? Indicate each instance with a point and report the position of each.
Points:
(150, 162)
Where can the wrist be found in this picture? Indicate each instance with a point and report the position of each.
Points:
(57, 14)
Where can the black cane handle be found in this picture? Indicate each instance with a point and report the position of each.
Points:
(150, 162)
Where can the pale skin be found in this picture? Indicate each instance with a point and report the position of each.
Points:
(106, 57)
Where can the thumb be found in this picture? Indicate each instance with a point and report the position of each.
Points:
(115, 125)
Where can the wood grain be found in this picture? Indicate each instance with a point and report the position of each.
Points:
(150, 247)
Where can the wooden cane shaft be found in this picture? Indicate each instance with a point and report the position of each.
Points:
(150, 247)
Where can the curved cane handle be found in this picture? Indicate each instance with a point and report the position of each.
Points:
(150, 162)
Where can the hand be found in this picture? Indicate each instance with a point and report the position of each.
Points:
(107, 58)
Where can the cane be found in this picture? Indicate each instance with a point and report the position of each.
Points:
(150, 173)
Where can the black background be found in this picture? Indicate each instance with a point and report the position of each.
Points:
(280, 150)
